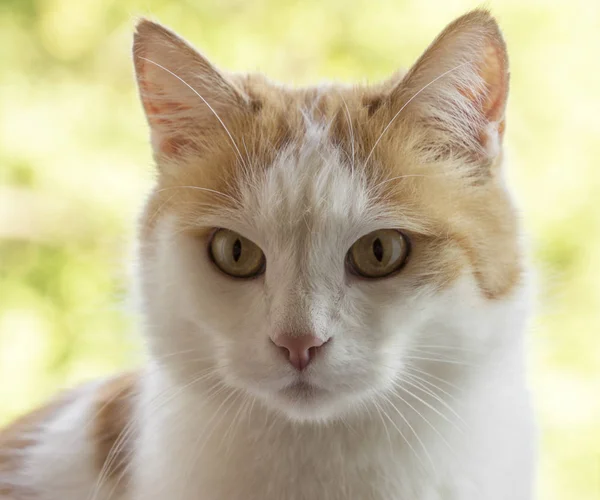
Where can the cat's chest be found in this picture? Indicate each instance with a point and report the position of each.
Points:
(329, 466)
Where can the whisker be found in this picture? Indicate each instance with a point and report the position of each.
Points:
(208, 190)
(203, 100)
(431, 384)
(408, 102)
(431, 407)
(445, 347)
(412, 429)
(351, 129)
(441, 355)
(377, 186)
(441, 380)
(401, 434)
(439, 434)
(439, 360)
(208, 430)
(384, 424)
(435, 396)
(233, 424)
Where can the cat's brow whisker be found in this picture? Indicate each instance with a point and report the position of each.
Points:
(350, 127)
(203, 100)
(398, 177)
(159, 209)
(208, 190)
(414, 96)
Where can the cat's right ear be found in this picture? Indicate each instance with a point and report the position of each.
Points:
(184, 96)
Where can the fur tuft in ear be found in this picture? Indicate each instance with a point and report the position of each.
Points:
(458, 88)
(184, 96)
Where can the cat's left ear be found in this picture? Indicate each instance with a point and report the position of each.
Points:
(458, 89)
(184, 96)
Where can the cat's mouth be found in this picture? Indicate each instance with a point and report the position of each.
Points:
(301, 390)
(305, 401)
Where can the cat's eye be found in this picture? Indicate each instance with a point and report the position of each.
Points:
(379, 253)
(235, 255)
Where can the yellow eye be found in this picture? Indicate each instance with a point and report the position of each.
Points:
(235, 255)
(379, 253)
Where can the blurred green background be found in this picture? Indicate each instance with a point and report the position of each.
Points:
(75, 164)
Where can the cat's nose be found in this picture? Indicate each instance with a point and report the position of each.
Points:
(299, 349)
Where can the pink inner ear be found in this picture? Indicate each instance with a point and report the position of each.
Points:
(165, 108)
(492, 71)
(164, 129)
(161, 113)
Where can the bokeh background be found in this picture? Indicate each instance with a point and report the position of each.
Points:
(75, 164)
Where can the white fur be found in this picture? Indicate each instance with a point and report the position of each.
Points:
(212, 422)
(420, 392)
(232, 434)
(62, 464)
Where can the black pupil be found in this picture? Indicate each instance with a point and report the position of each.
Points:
(378, 249)
(237, 250)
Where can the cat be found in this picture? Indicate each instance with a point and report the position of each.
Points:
(334, 295)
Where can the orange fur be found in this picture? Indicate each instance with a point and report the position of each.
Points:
(443, 181)
(21, 436)
(437, 170)
(113, 411)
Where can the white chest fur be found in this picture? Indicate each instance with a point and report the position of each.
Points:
(225, 450)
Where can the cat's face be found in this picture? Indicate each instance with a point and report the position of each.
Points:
(314, 247)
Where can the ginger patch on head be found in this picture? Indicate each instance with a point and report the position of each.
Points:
(427, 141)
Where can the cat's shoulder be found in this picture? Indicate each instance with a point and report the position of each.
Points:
(76, 435)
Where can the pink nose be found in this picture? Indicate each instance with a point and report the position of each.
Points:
(299, 349)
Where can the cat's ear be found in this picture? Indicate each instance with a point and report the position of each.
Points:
(183, 94)
(458, 89)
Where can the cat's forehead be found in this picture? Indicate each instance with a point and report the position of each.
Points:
(312, 159)
(310, 182)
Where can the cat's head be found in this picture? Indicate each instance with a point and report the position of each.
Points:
(316, 247)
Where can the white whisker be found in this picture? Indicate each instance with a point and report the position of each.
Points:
(417, 456)
(208, 190)
(439, 434)
(203, 100)
(407, 103)
(441, 380)
(413, 431)
(421, 380)
(431, 407)
(435, 396)
(348, 117)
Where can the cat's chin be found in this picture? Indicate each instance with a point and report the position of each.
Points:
(305, 402)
